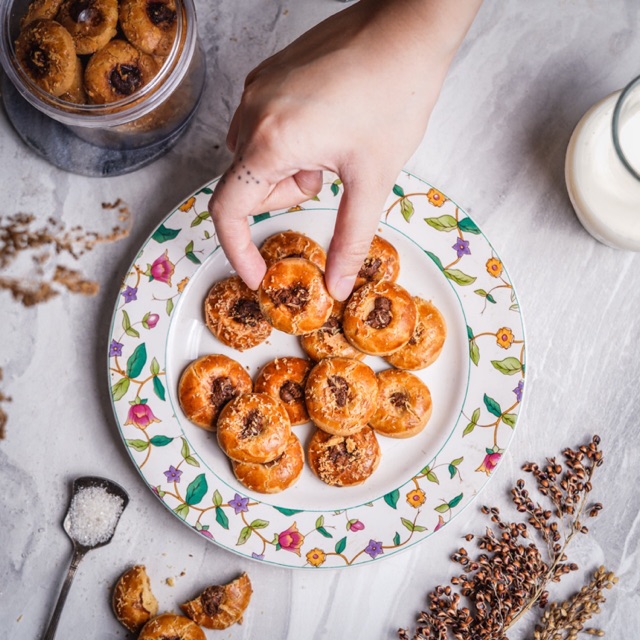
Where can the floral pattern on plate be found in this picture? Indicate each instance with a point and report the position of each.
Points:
(404, 514)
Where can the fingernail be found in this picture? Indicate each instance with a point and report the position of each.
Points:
(342, 289)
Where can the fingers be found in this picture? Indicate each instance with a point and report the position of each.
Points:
(358, 216)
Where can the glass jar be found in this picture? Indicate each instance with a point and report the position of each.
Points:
(152, 117)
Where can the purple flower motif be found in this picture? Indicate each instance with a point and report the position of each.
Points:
(130, 294)
(518, 390)
(115, 348)
(462, 247)
(257, 556)
(239, 503)
(374, 548)
(173, 474)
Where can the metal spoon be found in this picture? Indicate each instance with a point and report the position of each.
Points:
(79, 549)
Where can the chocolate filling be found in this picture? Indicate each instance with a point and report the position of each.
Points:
(252, 425)
(380, 316)
(369, 268)
(38, 61)
(125, 78)
(291, 392)
(222, 390)
(340, 388)
(84, 12)
(399, 399)
(417, 334)
(161, 15)
(211, 599)
(246, 311)
(295, 298)
(331, 326)
(170, 638)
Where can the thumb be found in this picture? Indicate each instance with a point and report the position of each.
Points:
(358, 217)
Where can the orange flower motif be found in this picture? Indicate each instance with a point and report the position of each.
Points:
(316, 557)
(436, 198)
(295, 208)
(494, 267)
(182, 284)
(185, 206)
(416, 498)
(504, 337)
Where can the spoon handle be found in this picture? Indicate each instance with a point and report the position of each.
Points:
(50, 633)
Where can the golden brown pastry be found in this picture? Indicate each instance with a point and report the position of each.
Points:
(380, 318)
(274, 476)
(233, 315)
(341, 395)
(285, 379)
(293, 296)
(220, 606)
(328, 341)
(46, 53)
(253, 427)
(76, 92)
(38, 9)
(207, 384)
(427, 340)
(344, 461)
(382, 263)
(133, 601)
(291, 244)
(169, 626)
(91, 23)
(149, 25)
(404, 404)
(117, 71)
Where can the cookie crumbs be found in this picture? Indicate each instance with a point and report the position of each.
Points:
(3, 415)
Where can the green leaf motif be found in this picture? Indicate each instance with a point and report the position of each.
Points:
(158, 388)
(154, 367)
(474, 352)
(469, 332)
(458, 461)
(182, 511)
(320, 522)
(341, 545)
(508, 366)
(259, 524)
(164, 234)
(192, 256)
(437, 260)
(432, 477)
(288, 512)
(132, 332)
(510, 419)
(492, 406)
(206, 190)
(443, 223)
(136, 361)
(192, 461)
(185, 452)
(398, 190)
(261, 216)
(322, 531)
(138, 445)
(408, 524)
(459, 277)
(169, 306)
(217, 498)
(453, 470)
(335, 187)
(406, 209)
(396, 539)
(196, 490)
(120, 388)
(221, 518)
(160, 441)
(126, 323)
(468, 429)
(200, 218)
(454, 503)
(245, 534)
(442, 508)
(392, 498)
(467, 225)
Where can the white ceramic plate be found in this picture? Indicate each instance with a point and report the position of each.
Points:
(421, 483)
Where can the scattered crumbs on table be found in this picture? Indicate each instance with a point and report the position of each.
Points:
(170, 581)
(3, 415)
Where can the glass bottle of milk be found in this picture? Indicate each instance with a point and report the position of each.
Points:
(602, 169)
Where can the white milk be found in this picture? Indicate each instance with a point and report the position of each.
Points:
(604, 194)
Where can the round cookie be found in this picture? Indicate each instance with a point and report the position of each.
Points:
(91, 23)
(291, 244)
(172, 626)
(253, 427)
(133, 601)
(149, 25)
(37, 9)
(404, 404)
(233, 315)
(380, 318)
(382, 263)
(344, 461)
(274, 476)
(207, 384)
(293, 296)
(285, 379)
(427, 340)
(341, 395)
(47, 55)
(328, 341)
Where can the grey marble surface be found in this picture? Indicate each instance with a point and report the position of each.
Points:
(495, 144)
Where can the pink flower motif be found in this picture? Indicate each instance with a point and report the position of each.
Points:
(162, 268)
(291, 539)
(489, 463)
(355, 525)
(140, 415)
(150, 320)
(440, 523)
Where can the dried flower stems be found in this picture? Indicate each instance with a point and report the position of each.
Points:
(510, 576)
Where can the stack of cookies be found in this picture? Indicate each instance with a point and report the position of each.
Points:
(349, 404)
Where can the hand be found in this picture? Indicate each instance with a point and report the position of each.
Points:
(353, 95)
